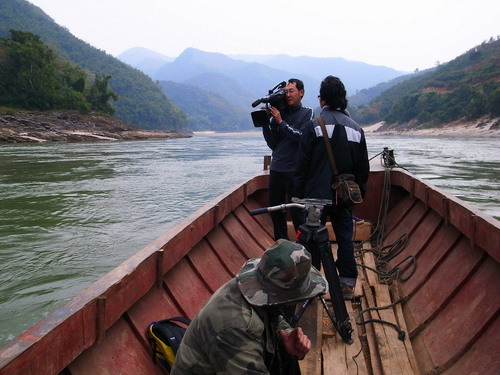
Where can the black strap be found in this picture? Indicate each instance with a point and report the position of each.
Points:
(328, 147)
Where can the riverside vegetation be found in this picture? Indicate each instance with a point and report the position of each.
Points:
(32, 76)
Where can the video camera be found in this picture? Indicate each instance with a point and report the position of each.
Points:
(276, 98)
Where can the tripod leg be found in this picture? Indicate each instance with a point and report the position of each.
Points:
(296, 317)
(343, 324)
(316, 241)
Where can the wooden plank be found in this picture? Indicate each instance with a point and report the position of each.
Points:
(227, 251)
(375, 362)
(420, 238)
(356, 363)
(433, 295)
(369, 261)
(241, 238)
(155, 305)
(362, 277)
(483, 357)
(209, 266)
(334, 356)
(121, 347)
(400, 321)
(259, 234)
(361, 232)
(397, 347)
(188, 290)
(412, 219)
(398, 213)
(264, 220)
(339, 357)
(388, 357)
(429, 258)
(469, 313)
(312, 324)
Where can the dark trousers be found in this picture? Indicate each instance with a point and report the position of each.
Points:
(287, 364)
(342, 224)
(280, 192)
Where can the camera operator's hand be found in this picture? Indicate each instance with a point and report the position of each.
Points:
(276, 115)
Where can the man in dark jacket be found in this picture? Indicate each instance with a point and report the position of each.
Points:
(283, 136)
(314, 176)
(241, 330)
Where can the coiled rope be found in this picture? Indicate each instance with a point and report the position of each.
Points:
(383, 254)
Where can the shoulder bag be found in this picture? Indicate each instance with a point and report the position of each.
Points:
(345, 190)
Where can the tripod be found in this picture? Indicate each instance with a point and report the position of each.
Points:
(314, 237)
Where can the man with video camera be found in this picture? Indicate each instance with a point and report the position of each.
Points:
(282, 135)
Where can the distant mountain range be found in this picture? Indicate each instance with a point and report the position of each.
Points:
(241, 79)
(255, 74)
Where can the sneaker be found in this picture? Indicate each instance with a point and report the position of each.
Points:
(357, 220)
(347, 291)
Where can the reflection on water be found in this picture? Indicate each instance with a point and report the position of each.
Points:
(69, 213)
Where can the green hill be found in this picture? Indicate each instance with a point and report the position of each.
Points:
(207, 110)
(141, 101)
(465, 88)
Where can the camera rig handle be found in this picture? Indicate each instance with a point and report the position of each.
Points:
(313, 206)
(278, 86)
(281, 207)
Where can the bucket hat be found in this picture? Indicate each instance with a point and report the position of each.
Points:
(283, 275)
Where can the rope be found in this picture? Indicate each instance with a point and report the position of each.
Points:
(401, 333)
(383, 254)
(356, 363)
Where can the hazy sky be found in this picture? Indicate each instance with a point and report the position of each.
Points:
(400, 34)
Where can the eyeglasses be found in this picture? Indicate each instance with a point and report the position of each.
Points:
(291, 91)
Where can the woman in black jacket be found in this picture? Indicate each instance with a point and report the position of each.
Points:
(314, 178)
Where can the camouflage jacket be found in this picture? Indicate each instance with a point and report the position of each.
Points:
(229, 336)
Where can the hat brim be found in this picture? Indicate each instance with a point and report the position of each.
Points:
(256, 295)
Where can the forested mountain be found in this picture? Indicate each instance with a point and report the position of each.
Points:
(465, 88)
(366, 96)
(141, 102)
(207, 110)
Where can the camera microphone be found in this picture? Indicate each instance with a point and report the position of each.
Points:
(256, 103)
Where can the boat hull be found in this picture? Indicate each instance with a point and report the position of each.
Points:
(450, 305)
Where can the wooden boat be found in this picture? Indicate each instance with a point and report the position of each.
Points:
(448, 308)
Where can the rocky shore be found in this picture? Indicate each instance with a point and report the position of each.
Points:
(69, 126)
(485, 127)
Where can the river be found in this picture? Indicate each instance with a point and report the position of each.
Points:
(69, 213)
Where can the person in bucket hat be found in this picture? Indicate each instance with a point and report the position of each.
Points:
(282, 276)
(241, 329)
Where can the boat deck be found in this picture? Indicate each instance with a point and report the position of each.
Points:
(377, 349)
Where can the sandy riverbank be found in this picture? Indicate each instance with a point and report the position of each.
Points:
(479, 128)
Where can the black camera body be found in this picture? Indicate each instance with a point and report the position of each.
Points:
(276, 98)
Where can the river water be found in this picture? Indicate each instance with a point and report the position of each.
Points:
(69, 213)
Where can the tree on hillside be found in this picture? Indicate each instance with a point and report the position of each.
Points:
(100, 96)
(33, 77)
(28, 76)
